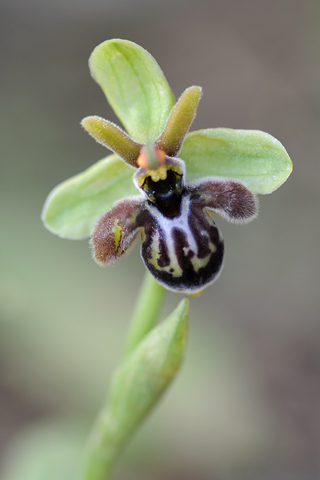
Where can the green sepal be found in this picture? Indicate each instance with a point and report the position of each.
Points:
(138, 384)
(73, 207)
(135, 87)
(253, 157)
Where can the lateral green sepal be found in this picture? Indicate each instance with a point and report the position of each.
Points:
(73, 207)
(253, 157)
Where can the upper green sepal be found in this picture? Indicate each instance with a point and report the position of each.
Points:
(135, 87)
(253, 157)
(73, 207)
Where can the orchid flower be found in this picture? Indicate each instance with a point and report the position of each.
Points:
(163, 183)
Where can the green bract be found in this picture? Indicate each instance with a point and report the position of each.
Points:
(141, 97)
(137, 385)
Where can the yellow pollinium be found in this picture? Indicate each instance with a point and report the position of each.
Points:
(159, 174)
(153, 161)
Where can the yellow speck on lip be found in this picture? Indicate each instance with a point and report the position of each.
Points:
(117, 231)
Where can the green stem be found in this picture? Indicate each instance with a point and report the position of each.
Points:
(103, 448)
(106, 442)
(146, 313)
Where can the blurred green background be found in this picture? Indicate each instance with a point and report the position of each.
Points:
(246, 404)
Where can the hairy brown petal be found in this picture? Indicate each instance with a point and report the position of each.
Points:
(230, 199)
(179, 121)
(112, 137)
(116, 231)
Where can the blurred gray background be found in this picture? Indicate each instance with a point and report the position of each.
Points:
(246, 404)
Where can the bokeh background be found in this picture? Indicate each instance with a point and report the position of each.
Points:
(246, 404)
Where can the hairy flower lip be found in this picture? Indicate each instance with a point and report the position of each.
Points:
(181, 245)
